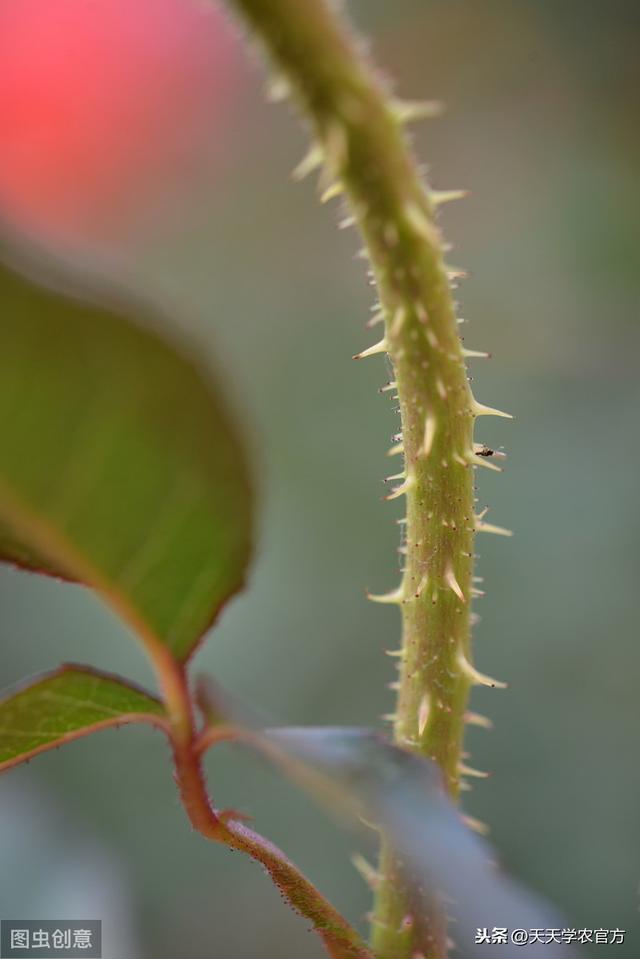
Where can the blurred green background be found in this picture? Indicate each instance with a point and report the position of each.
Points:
(542, 127)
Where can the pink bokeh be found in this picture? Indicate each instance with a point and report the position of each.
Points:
(110, 111)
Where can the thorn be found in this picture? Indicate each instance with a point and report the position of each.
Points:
(476, 677)
(389, 717)
(421, 223)
(336, 149)
(389, 386)
(477, 354)
(490, 528)
(480, 460)
(422, 585)
(370, 875)
(430, 427)
(438, 197)
(394, 652)
(479, 409)
(380, 347)
(403, 488)
(375, 319)
(453, 584)
(477, 719)
(396, 476)
(406, 111)
(312, 160)
(432, 339)
(423, 713)
(470, 771)
(332, 191)
(476, 825)
(278, 89)
(347, 222)
(396, 450)
(456, 273)
(395, 596)
(399, 319)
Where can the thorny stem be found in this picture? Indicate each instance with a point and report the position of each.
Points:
(340, 940)
(360, 143)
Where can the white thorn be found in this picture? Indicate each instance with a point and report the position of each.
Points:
(399, 319)
(278, 89)
(456, 273)
(375, 319)
(470, 771)
(390, 386)
(477, 354)
(395, 450)
(421, 223)
(422, 585)
(476, 719)
(403, 488)
(423, 713)
(438, 197)
(396, 476)
(432, 339)
(476, 677)
(479, 409)
(380, 347)
(476, 825)
(453, 584)
(312, 160)
(484, 463)
(347, 222)
(336, 148)
(490, 528)
(366, 870)
(430, 427)
(395, 596)
(406, 111)
(336, 189)
(395, 652)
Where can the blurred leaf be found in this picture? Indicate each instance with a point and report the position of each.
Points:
(357, 770)
(68, 703)
(118, 463)
(358, 773)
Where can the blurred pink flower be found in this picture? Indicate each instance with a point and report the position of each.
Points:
(109, 111)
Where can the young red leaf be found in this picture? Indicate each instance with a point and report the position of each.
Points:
(54, 708)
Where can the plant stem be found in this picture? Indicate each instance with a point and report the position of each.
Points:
(360, 141)
(338, 937)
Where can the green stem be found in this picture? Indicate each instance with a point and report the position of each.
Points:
(360, 141)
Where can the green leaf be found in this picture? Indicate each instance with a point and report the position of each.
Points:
(119, 464)
(25, 557)
(68, 703)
